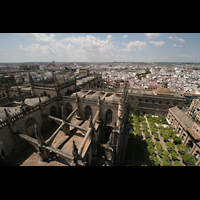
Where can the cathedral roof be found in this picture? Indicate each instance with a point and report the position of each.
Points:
(162, 90)
(113, 97)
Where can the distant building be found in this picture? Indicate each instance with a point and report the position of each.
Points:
(28, 67)
(190, 97)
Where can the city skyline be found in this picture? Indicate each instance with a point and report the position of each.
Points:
(100, 47)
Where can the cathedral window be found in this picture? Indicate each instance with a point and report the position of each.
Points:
(109, 116)
(30, 128)
(88, 112)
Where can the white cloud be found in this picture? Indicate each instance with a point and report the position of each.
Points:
(91, 44)
(125, 36)
(36, 48)
(157, 44)
(40, 37)
(152, 35)
(130, 46)
(171, 37)
(53, 45)
(174, 45)
(181, 40)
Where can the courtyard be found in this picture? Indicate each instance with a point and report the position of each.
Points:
(152, 142)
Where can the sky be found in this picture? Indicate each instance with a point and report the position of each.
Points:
(99, 47)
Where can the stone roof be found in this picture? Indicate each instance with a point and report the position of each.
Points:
(183, 118)
(113, 97)
(162, 90)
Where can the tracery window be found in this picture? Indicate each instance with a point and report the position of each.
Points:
(109, 116)
(30, 128)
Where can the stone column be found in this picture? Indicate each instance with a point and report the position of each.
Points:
(44, 153)
(78, 110)
(180, 135)
(99, 106)
(186, 138)
(193, 148)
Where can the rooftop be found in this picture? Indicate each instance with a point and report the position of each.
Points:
(162, 90)
(182, 117)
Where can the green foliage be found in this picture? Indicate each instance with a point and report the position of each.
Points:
(130, 115)
(161, 131)
(154, 160)
(170, 146)
(149, 142)
(160, 153)
(147, 134)
(155, 135)
(177, 140)
(136, 122)
(135, 117)
(144, 123)
(166, 162)
(131, 131)
(177, 163)
(148, 116)
(160, 120)
(136, 112)
(153, 130)
(182, 149)
(151, 150)
(137, 131)
(159, 146)
(170, 132)
(166, 155)
(173, 155)
(145, 128)
(142, 164)
(137, 126)
(188, 159)
(160, 127)
(135, 151)
(141, 119)
(148, 71)
(166, 158)
(165, 136)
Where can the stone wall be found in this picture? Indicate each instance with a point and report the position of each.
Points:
(154, 104)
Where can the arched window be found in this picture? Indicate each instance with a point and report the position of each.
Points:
(30, 129)
(68, 108)
(88, 112)
(53, 111)
(189, 145)
(109, 116)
